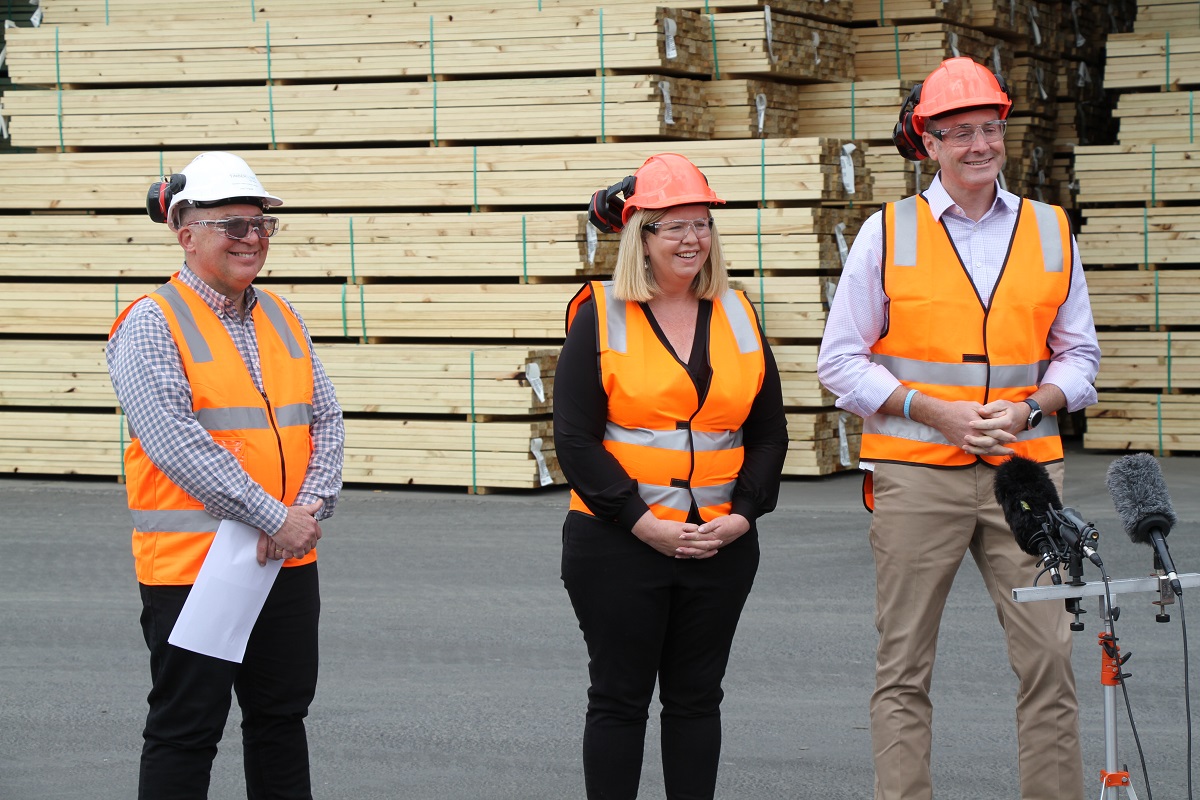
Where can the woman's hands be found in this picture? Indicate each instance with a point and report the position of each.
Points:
(687, 540)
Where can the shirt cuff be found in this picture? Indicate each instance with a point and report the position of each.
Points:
(269, 515)
(634, 509)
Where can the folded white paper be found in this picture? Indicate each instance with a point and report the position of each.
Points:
(227, 597)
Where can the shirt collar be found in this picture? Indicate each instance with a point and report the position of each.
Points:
(940, 201)
(219, 303)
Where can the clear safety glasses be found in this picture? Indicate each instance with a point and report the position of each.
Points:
(240, 227)
(964, 135)
(676, 230)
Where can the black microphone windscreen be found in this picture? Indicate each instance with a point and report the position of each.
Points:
(1025, 492)
(1139, 493)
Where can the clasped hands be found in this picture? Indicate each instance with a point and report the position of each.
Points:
(984, 430)
(295, 538)
(688, 540)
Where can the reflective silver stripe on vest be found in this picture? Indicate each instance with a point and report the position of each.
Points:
(904, 237)
(684, 441)
(1001, 377)
(279, 323)
(187, 521)
(614, 320)
(295, 414)
(1051, 235)
(739, 321)
(197, 347)
(899, 427)
(680, 498)
(232, 419)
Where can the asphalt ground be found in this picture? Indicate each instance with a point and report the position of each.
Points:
(452, 666)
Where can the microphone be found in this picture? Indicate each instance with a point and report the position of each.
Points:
(1077, 534)
(1026, 494)
(1139, 494)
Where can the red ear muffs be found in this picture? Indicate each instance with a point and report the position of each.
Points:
(158, 199)
(904, 135)
(606, 206)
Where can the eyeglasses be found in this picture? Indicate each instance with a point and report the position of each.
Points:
(240, 227)
(964, 135)
(676, 230)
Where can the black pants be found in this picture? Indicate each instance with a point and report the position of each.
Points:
(190, 698)
(645, 615)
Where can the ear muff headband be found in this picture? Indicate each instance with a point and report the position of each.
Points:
(904, 135)
(604, 210)
(158, 199)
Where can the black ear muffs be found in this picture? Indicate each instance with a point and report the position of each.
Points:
(904, 135)
(158, 199)
(606, 205)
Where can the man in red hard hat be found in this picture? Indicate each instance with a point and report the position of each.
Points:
(960, 327)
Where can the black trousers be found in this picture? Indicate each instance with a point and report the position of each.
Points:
(645, 616)
(190, 698)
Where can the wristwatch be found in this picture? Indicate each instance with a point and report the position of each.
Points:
(1035, 414)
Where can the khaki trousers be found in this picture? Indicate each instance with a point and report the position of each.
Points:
(925, 520)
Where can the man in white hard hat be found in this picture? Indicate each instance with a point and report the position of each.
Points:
(231, 417)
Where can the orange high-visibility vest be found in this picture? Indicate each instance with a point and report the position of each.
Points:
(679, 447)
(269, 435)
(942, 340)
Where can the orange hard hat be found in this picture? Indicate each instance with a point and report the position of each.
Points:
(667, 179)
(958, 84)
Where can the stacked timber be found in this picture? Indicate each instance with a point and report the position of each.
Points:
(433, 278)
(633, 106)
(1139, 201)
(83, 12)
(389, 43)
(783, 46)
(794, 171)
(896, 12)
(910, 52)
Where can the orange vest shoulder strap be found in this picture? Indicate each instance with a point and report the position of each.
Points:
(585, 293)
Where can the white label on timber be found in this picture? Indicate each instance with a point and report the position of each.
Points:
(1033, 20)
(839, 231)
(36, 18)
(760, 102)
(847, 167)
(954, 44)
(830, 292)
(1040, 74)
(665, 86)
(917, 175)
(816, 40)
(592, 243)
(535, 447)
(669, 30)
(843, 441)
(3, 50)
(767, 19)
(995, 59)
(533, 374)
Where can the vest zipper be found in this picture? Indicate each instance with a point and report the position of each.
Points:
(279, 443)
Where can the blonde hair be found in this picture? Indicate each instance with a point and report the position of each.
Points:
(633, 279)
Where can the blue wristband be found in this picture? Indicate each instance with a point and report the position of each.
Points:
(908, 402)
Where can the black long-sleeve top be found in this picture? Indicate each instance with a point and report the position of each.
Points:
(581, 413)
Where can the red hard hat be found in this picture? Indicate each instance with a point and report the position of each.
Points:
(668, 179)
(957, 84)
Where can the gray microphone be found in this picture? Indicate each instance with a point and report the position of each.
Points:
(1139, 494)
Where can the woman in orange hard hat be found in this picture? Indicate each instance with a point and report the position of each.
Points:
(669, 426)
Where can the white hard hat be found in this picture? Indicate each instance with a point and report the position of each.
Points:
(217, 176)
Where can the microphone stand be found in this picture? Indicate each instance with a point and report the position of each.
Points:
(1112, 778)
